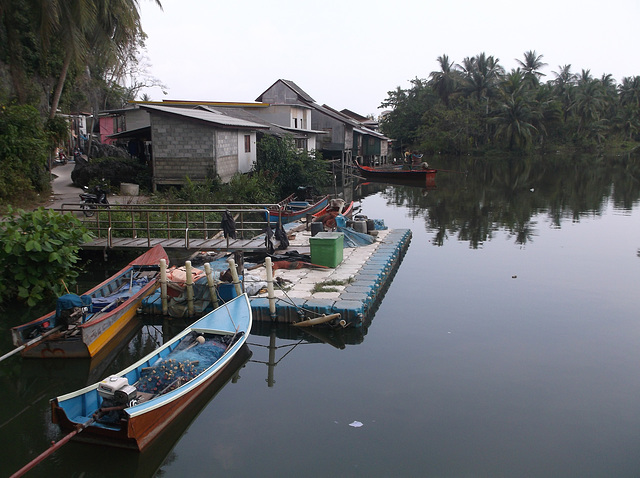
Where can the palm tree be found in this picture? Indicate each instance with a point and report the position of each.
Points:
(443, 82)
(563, 84)
(531, 66)
(630, 91)
(481, 75)
(515, 117)
(110, 27)
(629, 115)
(590, 101)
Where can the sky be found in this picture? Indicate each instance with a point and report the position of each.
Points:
(351, 53)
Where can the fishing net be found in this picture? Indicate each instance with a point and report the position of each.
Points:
(191, 357)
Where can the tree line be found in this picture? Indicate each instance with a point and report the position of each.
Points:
(64, 57)
(477, 106)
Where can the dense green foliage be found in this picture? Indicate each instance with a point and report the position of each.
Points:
(39, 251)
(242, 189)
(477, 106)
(112, 171)
(288, 167)
(24, 147)
(62, 57)
(70, 55)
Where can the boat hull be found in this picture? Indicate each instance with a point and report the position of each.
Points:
(415, 175)
(91, 337)
(141, 430)
(285, 216)
(142, 422)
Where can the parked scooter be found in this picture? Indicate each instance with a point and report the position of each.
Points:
(90, 201)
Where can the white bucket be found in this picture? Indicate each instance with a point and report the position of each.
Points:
(129, 189)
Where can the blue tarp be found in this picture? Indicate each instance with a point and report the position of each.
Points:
(352, 238)
(69, 301)
(98, 303)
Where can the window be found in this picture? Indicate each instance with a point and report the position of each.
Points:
(247, 143)
(301, 143)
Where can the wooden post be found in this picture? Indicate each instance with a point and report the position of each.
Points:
(189, 285)
(163, 286)
(270, 293)
(234, 274)
(212, 285)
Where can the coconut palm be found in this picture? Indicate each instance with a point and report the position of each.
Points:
(629, 91)
(531, 66)
(443, 82)
(481, 75)
(515, 117)
(589, 101)
(110, 27)
(563, 84)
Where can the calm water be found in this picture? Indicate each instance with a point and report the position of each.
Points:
(507, 345)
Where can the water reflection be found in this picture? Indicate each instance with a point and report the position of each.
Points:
(476, 198)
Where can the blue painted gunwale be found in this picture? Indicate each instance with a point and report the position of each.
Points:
(80, 405)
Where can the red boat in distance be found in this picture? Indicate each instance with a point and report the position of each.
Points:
(427, 176)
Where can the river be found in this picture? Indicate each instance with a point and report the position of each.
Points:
(506, 345)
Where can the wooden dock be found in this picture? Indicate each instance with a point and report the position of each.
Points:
(175, 226)
(244, 245)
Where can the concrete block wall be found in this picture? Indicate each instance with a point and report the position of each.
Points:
(180, 149)
(227, 153)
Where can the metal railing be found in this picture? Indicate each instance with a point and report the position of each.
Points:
(172, 221)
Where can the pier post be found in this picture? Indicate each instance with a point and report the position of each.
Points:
(234, 275)
(212, 285)
(189, 285)
(270, 293)
(163, 286)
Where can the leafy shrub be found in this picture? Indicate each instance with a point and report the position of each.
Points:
(114, 171)
(39, 248)
(289, 168)
(24, 149)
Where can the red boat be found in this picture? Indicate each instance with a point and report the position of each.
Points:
(290, 210)
(417, 173)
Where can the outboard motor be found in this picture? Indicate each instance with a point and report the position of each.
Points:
(116, 390)
(70, 309)
(116, 393)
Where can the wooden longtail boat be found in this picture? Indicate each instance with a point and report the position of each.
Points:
(347, 211)
(416, 174)
(83, 326)
(131, 408)
(290, 210)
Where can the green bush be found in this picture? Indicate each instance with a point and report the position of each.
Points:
(288, 168)
(39, 250)
(113, 171)
(24, 147)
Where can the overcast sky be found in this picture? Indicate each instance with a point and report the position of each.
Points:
(350, 53)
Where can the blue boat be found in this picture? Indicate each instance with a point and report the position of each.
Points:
(131, 408)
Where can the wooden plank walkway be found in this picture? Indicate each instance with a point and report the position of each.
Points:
(184, 222)
(244, 245)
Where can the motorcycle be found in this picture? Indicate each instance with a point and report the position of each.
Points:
(90, 201)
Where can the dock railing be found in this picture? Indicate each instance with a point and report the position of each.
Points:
(172, 221)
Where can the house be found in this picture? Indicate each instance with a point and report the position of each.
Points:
(344, 139)
(199, 143)
(181, 139)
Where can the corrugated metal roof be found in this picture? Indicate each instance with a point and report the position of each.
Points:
(206, 115)
(131, 133)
